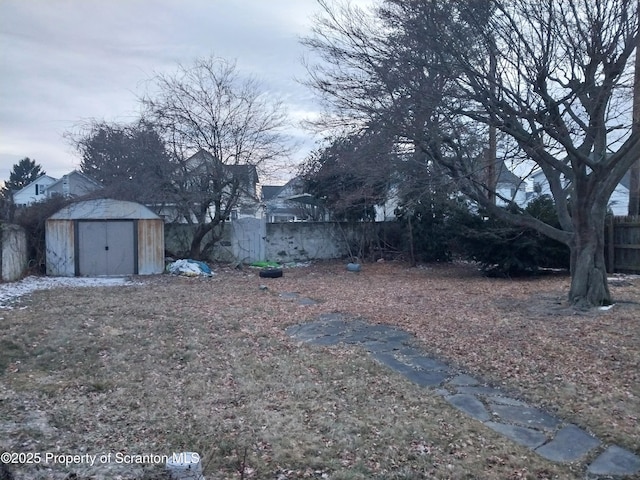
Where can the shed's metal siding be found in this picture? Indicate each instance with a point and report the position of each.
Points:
(60, 256)
(150, 246)
(62, 246)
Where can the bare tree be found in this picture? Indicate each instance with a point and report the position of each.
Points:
(561, 93)
(552, 77)
(222, 129)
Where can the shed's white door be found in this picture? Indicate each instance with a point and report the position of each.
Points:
(106, 248)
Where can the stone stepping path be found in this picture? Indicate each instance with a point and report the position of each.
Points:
(542, 432)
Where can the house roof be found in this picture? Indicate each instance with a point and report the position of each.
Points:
(79, 174)
(626, 180)
(245, 172)
(271, 191)
(49, 180)
(292, 187)
(505, 175)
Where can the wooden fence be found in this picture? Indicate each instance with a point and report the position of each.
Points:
(622, 236)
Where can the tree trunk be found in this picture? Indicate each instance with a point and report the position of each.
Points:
(412, 251)
(200, 232)
(588, 268)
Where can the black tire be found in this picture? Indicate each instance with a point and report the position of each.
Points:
(271, 273)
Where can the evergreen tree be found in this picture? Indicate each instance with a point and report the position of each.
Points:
(23, 173)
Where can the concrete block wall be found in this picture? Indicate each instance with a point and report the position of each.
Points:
(284, 242)
(302, 241)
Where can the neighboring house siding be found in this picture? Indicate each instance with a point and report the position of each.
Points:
(278, 207)
(36, 191)
(74, 184)
(618, 202)
(516, 193)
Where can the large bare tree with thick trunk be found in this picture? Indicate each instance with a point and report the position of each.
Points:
(552, 77)
(561, 93)
(222, 129)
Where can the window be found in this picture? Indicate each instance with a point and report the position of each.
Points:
(40, 189)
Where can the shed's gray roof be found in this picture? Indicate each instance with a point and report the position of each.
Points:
(104, 209)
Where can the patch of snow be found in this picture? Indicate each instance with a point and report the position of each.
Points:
(606, 307)
(620, 277)
(9, 292)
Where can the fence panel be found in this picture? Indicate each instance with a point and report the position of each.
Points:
(623, 244)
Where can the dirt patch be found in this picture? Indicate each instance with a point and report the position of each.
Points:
(188, 364)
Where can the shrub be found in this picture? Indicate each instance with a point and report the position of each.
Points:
(33, 220)
(503, 249)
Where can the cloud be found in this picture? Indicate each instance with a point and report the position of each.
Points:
(63, 61)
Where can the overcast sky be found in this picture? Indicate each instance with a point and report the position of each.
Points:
(65, 61)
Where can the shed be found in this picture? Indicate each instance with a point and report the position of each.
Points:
(104, 237)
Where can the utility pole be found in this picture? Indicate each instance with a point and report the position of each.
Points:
(634, 172)
(492, 151)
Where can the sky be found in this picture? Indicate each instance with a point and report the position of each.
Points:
(64, 62)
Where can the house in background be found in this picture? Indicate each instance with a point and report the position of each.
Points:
(618, 202)
(200, 171)
(290, 203)
(73, 184)
(509, 186)
(35, 191)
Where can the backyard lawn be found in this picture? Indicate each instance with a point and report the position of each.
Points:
(173, 364)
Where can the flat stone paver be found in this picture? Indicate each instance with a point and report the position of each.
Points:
(469, 405)
(484, 391)
(522, 435)
(531, 427)
(426, 378)
(615, 461)
(426, 363)
(464, 380)
(378, 346)
(504, 400)
(389, 360)
(570, 444)
(526, 416)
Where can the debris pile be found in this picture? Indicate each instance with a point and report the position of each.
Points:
(189, 268)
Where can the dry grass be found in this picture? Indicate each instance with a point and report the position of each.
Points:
(181, 364)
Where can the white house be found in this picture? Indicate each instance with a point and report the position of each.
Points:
(618, 202)
(73, 184)
(33, 192)
(509, 186)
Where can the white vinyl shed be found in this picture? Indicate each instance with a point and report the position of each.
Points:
(104, 237)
